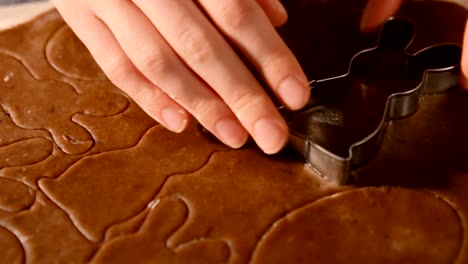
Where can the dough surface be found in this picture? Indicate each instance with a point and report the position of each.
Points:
(87, 176)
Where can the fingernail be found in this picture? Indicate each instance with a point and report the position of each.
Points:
(231, 132)
(270, 135)
(279, 7)
(294, 93)
(174, 119)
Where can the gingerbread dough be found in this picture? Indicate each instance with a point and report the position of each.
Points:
(86, 176)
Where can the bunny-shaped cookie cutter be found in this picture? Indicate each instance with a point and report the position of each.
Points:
(433, 70)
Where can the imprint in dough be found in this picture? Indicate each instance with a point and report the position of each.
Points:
(149, 243)
(369, 225)
(11, 133)
(25, 152)
(11, 251)
(62, 53)
(127, 130)
(47, 234)
(238, 194)
(50, 105)
(15, 196)
(130, 178)
(232, 205)
(128, 227)
(27, 43)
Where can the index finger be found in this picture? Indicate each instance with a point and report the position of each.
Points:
(247, 26)
(377, 11)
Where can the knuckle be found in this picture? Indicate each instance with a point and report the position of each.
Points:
(148, 98)
(276, 67)
(248, 101)
(195, 46)
(116, 70)
(235, 14)
(202, 108)
(152, 62)
(207, 110)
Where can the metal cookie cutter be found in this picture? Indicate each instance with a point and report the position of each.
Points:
(342, 127)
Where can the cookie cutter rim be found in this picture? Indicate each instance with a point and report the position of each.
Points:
(398, 105)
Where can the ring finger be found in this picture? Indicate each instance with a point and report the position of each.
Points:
(151, 54)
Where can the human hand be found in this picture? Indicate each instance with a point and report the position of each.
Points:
(174, 58)
(377, 11)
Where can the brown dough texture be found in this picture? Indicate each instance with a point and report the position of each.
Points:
(401, 221)
(86, 176)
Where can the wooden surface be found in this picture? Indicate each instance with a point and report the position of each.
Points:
(15, 14)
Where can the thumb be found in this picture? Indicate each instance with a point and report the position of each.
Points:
(275, 11)
(377, 11)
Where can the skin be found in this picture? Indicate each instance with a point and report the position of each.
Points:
(176, 59)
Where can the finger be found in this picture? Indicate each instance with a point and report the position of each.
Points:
(464, 59)
(376, 12)
(150, 53)
(110, 56)
(275, 11)
(209, 55)
(247, 26)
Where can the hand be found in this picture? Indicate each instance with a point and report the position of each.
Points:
(377, 11)
(175, 58)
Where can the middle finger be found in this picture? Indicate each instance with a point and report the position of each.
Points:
(246, 24)
(207, 53)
